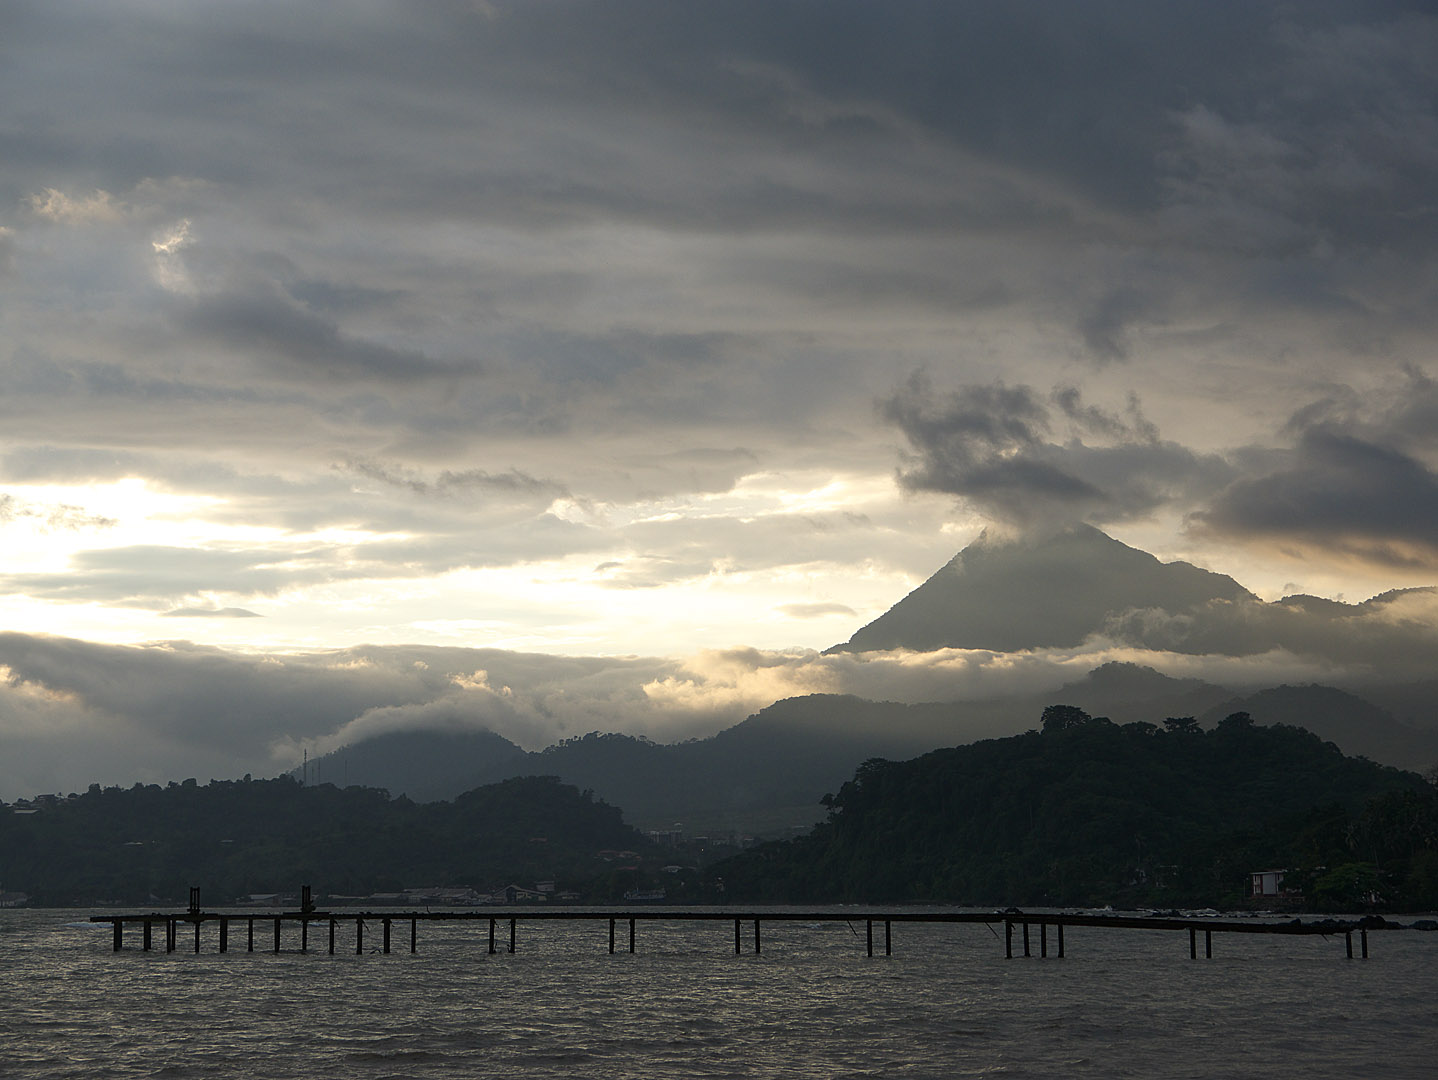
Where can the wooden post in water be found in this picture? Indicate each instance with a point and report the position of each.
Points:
(1008, 939)
(170, 934)
(888, 950)
(736, 937)
(511, 937)
(119, 934)
(1026, 938)
(1363, 937)
(304, 935)
(359, 936)
(756, 937)
(1192, 943)
(413, 934)
(252, 936)
(148, 931)
(197, 934)
(1348, 938)
(1043, 941)
(1208, 944)
(631, 933)
(277, 935)
(1060, 925)
(224, 934)
(386, 935)
(332, 935)
(491, 937)
(869, 935)
(611, 937)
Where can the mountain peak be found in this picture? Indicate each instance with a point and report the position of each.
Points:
(1051, 590)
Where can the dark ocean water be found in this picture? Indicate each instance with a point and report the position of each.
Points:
(946, 1004)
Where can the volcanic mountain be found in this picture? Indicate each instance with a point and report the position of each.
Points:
(1050, 592)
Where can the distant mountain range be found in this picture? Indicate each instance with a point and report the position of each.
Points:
(768, 773)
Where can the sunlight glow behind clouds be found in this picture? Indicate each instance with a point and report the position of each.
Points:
(610, 327)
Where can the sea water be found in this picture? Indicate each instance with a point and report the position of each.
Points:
(945, 1004)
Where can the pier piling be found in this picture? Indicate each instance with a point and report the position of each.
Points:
(151, 921)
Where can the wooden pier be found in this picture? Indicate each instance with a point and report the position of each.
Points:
(507, 921)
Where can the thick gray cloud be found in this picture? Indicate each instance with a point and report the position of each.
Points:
(994, 445)
(373, 318)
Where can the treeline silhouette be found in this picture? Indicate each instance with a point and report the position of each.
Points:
(1087, 812)
(235, 838)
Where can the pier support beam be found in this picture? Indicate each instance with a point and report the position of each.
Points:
(491, 937)
(888, 948)
(1348, 940)
(251, 947)
(611, 937)
(332, 935)
(631, 935)
(304, 935)
(1208, 944)
(149, 929)
(511, 937)
(1192, 943)
(1363, 937)
(756, 937)
(359, 937)
(224, 934)
(1043, 941)
(736, 937)
(386, 936)
(277, 935)
(119, 935)
(197, 934)
(413, 934)
(1026, 938)
(1008, 939)
(869, 935)
(1061, 939)
(169, 935)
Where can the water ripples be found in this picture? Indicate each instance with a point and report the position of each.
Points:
(946, 1004)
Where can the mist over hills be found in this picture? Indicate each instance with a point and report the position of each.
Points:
(769, 772)
(1067, 588)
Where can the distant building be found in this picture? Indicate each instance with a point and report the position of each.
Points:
(1269, 884)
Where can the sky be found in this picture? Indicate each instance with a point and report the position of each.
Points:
(640, 350)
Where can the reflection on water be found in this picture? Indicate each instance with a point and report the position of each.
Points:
(946, 1004)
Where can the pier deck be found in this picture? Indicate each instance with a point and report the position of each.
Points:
(306, 920)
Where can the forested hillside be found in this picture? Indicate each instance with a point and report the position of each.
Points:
(1088, 812)
(258, 836)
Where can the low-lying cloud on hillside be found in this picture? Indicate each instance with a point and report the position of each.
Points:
(73, 712)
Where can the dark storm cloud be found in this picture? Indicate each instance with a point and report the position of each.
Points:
(994, 446)
(1355, 481)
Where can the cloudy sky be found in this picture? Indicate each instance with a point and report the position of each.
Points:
(643, 329)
